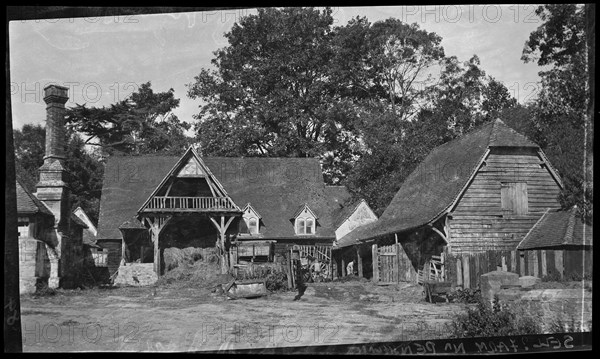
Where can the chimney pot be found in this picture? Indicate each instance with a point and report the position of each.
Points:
(54, 94)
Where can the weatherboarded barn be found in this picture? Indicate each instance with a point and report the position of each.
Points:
(482, 191)
(152, 203)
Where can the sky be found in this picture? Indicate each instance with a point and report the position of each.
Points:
(104, 59)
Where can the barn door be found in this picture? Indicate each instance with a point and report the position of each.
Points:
(387, 264)
(514, 197)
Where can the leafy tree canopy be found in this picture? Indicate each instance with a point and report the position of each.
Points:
(141, 124)
(559, 44)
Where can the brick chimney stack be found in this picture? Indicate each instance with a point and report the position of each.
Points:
(55, 98)
(52, 188)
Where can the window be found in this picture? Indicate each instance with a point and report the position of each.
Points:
(251, 221)
(305, 226)
(513, 196)
(305, 221)
(309, 226)
(300, 226)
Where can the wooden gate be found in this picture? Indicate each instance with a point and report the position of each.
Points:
(316, 259)
(392, 265)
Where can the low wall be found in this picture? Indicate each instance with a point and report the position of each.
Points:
(136, 274)
(569, 306)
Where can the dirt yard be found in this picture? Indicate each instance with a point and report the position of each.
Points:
(175, 319)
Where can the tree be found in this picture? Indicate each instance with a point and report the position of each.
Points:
(271, 94)
(289, 84)
(141, 124)
(560, 115)
(84, 170)
(29, 154)
(462, 99)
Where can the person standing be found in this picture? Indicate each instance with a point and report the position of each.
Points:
(300, 283)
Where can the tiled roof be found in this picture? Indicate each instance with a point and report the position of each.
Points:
(276, 187)
(558, 228)
(27, 203)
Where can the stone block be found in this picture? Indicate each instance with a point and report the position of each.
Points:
(491, 282)
(509, 295)
(136, 274)
(528, 281)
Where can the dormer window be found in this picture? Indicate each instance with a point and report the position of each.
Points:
(305, 221)
(251, 220)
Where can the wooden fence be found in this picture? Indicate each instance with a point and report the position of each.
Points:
(463, 270)
(392, 265)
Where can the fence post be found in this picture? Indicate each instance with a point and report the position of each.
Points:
(375, 264)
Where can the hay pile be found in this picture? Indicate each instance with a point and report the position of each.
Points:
(176, 257)
(188, 268)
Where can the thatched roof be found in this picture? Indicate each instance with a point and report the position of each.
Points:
(275, 187)
(435, 184)
(557, 228)
(28, 204)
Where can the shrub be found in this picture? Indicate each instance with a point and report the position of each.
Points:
(277, 282)
(466, 295)
(552, 276)
(494, 319)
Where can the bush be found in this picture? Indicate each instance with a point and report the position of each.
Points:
(277, 282)
(552, 276)
(494, 319)
(467, 295)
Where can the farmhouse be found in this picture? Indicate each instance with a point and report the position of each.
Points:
(483, 191)
(250, 209)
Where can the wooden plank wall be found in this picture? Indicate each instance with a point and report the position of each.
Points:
(464, 269)
(478, 222)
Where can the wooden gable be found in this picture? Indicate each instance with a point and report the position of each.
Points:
(509, 192)
(190, 166)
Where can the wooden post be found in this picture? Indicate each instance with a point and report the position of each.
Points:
(513, 261)
(157, 268)
(558, 262)
(359, 262)
(375, 264)
(544, 271)
(466, 272)
(343, 266)
(522, 264)
(288, 269)
(533, 263)
(459, 272)
(123, 247)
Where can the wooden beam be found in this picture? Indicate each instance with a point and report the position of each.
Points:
(375, 264)
(359, 262)
(439, 232)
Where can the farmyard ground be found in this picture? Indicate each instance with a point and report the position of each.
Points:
(195, 319)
